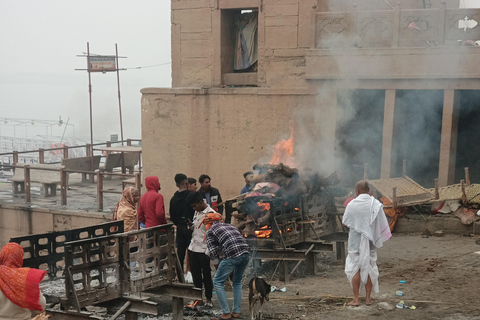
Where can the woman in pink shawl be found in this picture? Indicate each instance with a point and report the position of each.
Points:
(126, 209)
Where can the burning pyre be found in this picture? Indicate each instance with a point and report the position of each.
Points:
(274, 184)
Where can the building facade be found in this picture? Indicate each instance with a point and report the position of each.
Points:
(375, 82)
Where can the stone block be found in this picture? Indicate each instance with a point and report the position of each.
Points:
(281, 21)
(196, 36)
(290, 9)
(305, 12)
(197, 72)
(196, 49)
(237, 4)
(194, 20)
(281, 37)
(300, 52)
(190, 4)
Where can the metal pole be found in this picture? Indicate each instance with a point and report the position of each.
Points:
(119, 100)
(99, 191)
(26, 173)
(90, 92)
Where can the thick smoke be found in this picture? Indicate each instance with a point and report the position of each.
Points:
(358, 118)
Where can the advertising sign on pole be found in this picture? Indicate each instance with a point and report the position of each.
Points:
(102, 63)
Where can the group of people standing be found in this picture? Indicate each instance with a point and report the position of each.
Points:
(201, 235)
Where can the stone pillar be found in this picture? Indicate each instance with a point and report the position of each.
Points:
(327, 123)
(448, 144)
(388, 129)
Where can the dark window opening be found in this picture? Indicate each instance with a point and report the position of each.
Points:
(417, 134)
(468, 139)
(359, 134)
(239, 46)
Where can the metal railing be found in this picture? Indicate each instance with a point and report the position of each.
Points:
(64, 150)
(64, 185)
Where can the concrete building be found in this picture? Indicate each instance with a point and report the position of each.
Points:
(375, 82)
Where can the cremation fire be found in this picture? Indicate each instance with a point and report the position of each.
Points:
(263, 232)
(283, 152)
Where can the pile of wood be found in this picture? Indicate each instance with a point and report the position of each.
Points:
(253, 213)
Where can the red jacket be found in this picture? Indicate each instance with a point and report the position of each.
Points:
(151, 210)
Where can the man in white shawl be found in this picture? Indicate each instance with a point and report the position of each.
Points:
(368, 230)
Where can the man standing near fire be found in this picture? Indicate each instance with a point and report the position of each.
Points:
(151, 210)
(197, 250)
(236, 254)
(181, 214)
(368, 230)
(210, 195)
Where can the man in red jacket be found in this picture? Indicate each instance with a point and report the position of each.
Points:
(151, 210)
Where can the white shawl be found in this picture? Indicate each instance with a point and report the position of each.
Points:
(364, 215)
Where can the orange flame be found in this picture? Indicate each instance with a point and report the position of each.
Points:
(263, 206)
(283, 152)
(263, 232)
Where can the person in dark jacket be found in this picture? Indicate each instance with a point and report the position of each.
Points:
(192, 184)
(181, 214)
(247, 176)
(210, 195)
(151, 210)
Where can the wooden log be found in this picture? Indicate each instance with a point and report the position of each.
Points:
(265, 220)
(249, 229)
(239, 216)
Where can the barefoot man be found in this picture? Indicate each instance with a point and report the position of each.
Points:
(368, 230)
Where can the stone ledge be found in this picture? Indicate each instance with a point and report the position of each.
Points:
(445, 222)
(228, 91)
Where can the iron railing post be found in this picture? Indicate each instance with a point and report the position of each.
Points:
(41, 155)
(99, 191)
(26, 172)
(63, 188)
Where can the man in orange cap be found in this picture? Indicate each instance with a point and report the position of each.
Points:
(236, 254)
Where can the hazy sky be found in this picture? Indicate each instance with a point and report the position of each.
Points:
(40, 41)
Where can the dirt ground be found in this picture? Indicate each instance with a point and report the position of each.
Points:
(441, 274)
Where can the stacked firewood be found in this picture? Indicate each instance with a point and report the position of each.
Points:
(271, 181)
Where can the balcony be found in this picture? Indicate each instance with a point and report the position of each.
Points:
(395, 44)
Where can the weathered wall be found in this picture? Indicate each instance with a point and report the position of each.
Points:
(284, 32)
(283, 35)
(342, 5)
(18, 221)
(223, 132)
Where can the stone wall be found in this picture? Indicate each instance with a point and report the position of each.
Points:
(200, 44)
(224, 132)
(18, 221)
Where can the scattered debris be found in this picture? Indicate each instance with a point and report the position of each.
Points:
(426, 233)
(438, 233)
(402, 305)
(385, 306)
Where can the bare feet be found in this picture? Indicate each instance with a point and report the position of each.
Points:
(353, 303)
(368, 301)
